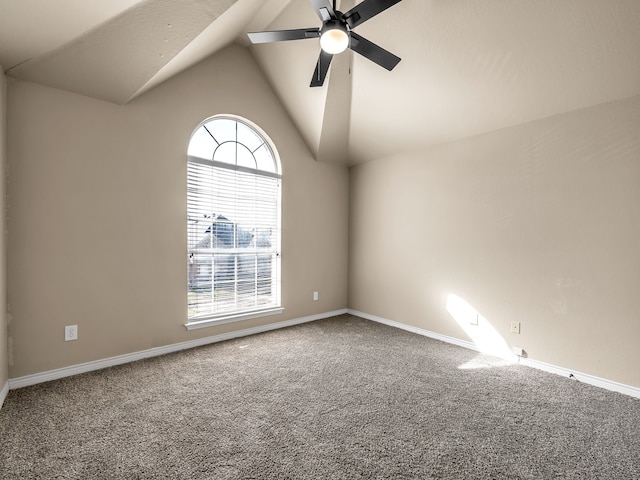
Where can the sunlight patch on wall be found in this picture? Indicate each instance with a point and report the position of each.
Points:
(484, 336)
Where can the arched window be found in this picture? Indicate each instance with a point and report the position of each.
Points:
(233, 223)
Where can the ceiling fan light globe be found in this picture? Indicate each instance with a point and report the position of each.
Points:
(334, 41)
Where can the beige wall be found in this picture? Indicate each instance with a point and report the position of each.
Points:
(97, 212)
(538, 223)
(4, 358)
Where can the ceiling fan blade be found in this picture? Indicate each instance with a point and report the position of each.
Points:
(322, 67)
(283, 35)
(373, 52)
(323, 9)
(367, 9)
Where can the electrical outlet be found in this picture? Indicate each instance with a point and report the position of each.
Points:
(315, 296)
(70, 332)
(515, 327)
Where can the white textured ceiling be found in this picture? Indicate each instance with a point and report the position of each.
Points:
(31, 28)
(468, 66)
(103, 63)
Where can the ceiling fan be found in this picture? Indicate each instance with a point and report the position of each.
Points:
(336, 35)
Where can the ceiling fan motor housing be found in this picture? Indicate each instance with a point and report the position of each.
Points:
(334, 35)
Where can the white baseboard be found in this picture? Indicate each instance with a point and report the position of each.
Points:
(529, 362)
(4, 392)
(27, 380)
(412, 329)
(583, 377)
(154, 352)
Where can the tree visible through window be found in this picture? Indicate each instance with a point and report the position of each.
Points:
(233, 210)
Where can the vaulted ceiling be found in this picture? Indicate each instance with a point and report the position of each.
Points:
(468, 66)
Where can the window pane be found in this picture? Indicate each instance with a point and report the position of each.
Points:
(223, 233)
(202, 144)
(264, 159)
(224, 299)
(248, 137)
(222, 129)
(245, 157)
(247, 267)
(200, 272)
(224, 269)
(226, 153)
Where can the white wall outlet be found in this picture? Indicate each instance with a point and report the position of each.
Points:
(475, 319)
(315, 296)
(519, 351)
(515, 327)
(70, 332)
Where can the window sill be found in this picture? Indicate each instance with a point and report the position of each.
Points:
(209, 322)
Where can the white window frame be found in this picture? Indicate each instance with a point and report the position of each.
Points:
(239, 313)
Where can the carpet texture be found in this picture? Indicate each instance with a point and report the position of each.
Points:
(342, 398)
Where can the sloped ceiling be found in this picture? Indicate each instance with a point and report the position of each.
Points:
(468, 66)
(116, 58)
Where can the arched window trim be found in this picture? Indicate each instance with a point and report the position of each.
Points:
(195, 322)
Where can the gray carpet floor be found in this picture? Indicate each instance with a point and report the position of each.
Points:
(342, 398)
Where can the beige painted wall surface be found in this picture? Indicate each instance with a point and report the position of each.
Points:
(4, 358)
(97, 214)
(538, 223)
